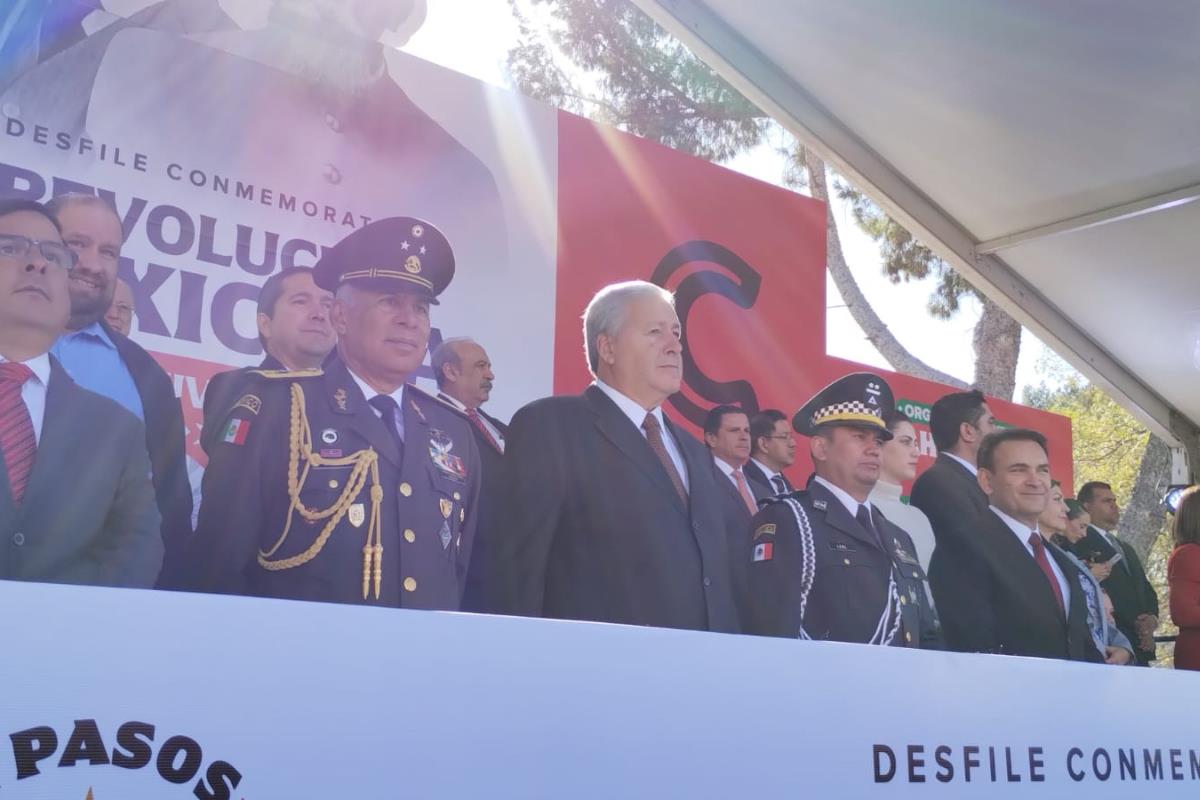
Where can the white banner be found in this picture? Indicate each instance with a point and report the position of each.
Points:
(116, 694)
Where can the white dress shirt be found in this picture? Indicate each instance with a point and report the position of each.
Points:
(397, 395)
(771, 475)
(1022, 532)
(974, 470)
(496, 435)
(637, 415)
(727, 469)
(33, 391)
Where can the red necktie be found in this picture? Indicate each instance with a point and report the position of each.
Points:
(655, 438)
(744, 490)
(477, 421)
(16, 428)
(1039, 555)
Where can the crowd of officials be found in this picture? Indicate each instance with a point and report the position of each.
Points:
(332, 477)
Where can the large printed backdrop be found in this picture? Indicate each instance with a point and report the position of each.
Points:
(227, 166)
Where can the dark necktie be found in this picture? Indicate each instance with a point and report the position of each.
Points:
(388, 410)
(17, 438)
(1043, 561)
(778, 484)
(864, 519)
(477, 421)
(654, 436)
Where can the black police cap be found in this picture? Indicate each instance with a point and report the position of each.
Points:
(397, 254)
(857, 400)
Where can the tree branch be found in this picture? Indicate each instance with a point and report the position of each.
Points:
(875, 329)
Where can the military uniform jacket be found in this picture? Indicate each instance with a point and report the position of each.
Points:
(427, 513)
(850, 576)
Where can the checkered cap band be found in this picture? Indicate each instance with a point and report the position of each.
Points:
(849, 411)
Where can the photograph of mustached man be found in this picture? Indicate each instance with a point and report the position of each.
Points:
(303, 97)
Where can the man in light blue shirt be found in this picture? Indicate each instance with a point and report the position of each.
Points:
(91, 359)
(110, 364)
(86, 350)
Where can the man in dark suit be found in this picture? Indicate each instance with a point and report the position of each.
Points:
(611, 510)
(727, 437)
(1135, 603)
(999, 587)
(369, 497)
(76, 503)
(947, 492)
(773, 449)
(295, 332)
(823, 563)
(110, 364)
(465, 379)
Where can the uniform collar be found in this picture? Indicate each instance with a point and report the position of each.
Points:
(843, 496)
(368, 392)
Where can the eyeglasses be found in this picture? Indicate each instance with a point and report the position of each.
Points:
(55, 253)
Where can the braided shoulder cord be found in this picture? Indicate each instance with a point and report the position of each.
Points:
(364, 463)
(808, 562)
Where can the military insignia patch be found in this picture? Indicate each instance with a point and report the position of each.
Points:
(446, 506)
(357, 514)
(765, 530)
(764, 551)
(449, 464)
(445, 535)
(329, 436)
(250, 402)
(236, 431)
(340, 398)
(819, 505)
(412, 264)
(331, 452)
(418, 231)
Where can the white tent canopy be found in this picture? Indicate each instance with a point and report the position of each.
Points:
(1049, 151)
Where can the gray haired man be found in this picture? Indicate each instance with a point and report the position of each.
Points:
(611, 512)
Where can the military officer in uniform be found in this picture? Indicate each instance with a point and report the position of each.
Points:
(348, 484)
(822, 563)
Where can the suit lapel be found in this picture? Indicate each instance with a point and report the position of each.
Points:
(346, 400)
(59, 434)
(1024, 567)
(1078, 606)
(619, 429)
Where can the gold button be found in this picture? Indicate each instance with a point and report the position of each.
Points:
(410, 584)
(405, 489)
(846, 561)
(907, 636)
(903, 600)
(333, 484)
(410, 536)
(457, 496)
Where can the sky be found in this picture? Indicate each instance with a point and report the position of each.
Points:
(477, 45)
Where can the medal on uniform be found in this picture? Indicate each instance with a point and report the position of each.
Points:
(357, 514)
(445, 535)
(340, 397)
(449, 464)
(446, 506)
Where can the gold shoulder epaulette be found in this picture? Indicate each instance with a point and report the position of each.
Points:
(288, 374)
(422, 393)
